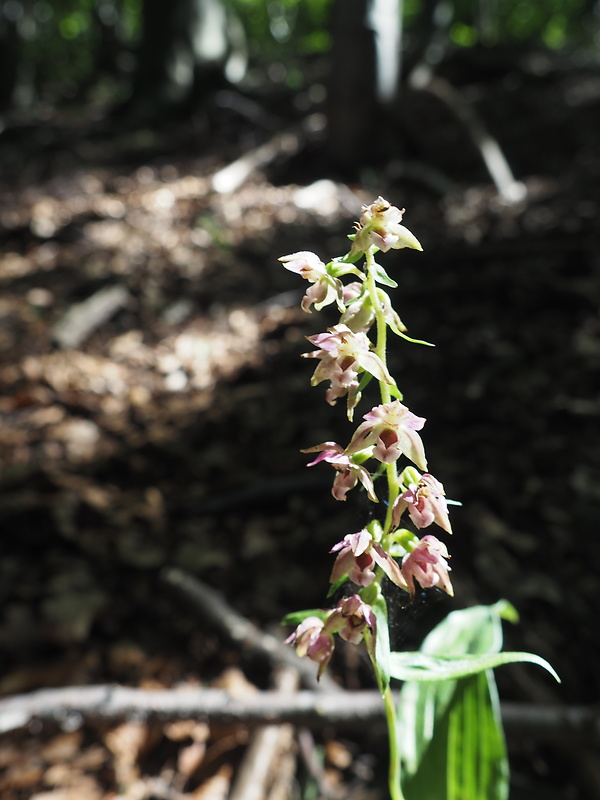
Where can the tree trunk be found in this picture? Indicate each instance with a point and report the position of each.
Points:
(364, 75)
(185, 52)
(352, 102)
(10, 47)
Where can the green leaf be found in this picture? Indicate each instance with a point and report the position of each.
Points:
(349, 258)
(449, 727)
(465, 753)
(469, 631)
(382, 642)
(296, 617)
(477, 765)
(421, 667)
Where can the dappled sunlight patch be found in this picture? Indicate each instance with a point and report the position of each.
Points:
(88, 398)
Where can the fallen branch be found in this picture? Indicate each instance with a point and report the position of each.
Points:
(510, 190)
(268, 747)
(288, 143)
(82, 319)
(214, 609)
(305, 708)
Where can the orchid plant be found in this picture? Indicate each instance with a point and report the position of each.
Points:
(350, 355)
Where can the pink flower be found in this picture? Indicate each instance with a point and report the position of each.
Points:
(391, 429)
(380, 226)
(311, 639)
(343, 354)
(358, 555)
(350, 619)
(314, 636)
(357, 616)
(348, 473)
(326, 288)
(426, 503)
(426, 565)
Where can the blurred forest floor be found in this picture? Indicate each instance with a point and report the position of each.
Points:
(153, 406)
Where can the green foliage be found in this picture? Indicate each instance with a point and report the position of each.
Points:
(450, 729)
(67, 44)
(553, 23)
(64, 40)
(285, 27)
(421, 667)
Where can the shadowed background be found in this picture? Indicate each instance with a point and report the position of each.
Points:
(155, 162)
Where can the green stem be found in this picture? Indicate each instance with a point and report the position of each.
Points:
(395, 767)
(384, 389)
(381, 345)
(393, 492)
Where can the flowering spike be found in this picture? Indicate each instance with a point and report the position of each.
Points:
(358, 344)
(349, 356)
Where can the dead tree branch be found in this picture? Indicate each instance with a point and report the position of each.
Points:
(347, 710)
(510, 190)
(213, 608)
